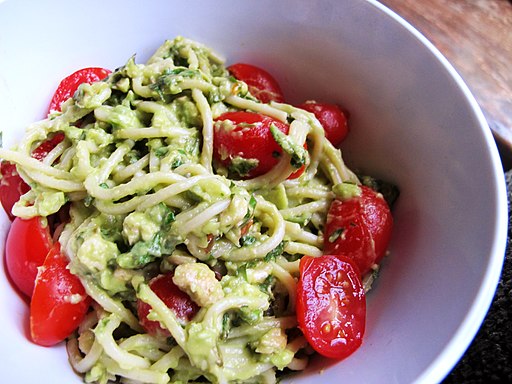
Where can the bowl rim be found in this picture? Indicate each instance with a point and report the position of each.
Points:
(455, 348)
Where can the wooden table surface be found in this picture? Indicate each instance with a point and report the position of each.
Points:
(476, 37)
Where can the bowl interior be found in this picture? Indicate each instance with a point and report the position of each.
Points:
(413, 122)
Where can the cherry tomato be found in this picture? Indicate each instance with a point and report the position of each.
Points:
(12, 187)
(360, 227)
(28, 242)
(332, 118)
(69, 85)
(249, 140)
(177, 300)
(261, 83)
(331, 305)
(45, 147)
(59, 302)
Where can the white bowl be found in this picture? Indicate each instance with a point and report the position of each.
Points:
(413, 120)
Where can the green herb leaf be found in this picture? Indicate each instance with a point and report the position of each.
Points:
(247, 240)
(277, 251)
(299, 156)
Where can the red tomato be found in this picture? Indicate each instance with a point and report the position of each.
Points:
(69, 85)
(261, 83)
(250, 139)
(360, 227)
(59, 302)
(332, 118)
(46, 146)
(331, 305)
(12, 187)
(28, 242)
(177, 300)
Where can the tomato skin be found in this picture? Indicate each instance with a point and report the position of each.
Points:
(177, 300)
(250, 139)
(262, 84)
(69, 85)
(333, 119)
(28, 242)
(54, 313)
(331, 305)
(46, 146)
(360, 227)
(12, 187)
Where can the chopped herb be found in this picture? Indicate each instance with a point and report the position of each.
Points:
(104, 186)
(161, 152)
(241, 167)
(299, 155)
(277, 251)
(267, 285)
(226, 326)
(176, 162)
(247, 240)
(132, 157)
(250, 210)
(169, 218)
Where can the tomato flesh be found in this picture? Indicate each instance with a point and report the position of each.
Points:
(177, 300)
(28, 242)
(249, 139)
(333, 119)
(360, 227)
(59, 302)
(12, 187)
(331, 305)
(69, 85)
(46, 146)
(261, 84)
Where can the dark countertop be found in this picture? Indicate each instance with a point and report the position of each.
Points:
(489, 357)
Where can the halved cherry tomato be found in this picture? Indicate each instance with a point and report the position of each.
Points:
(261, 83)
(360, 227)
(69, 85)
(45, 147)
(28, 242)
(59, 302)
(177, 300)
(247, 140)
(332, 118)
(331, 305)
(12, 187)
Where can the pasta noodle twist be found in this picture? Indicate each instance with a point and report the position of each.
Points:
(136, 172)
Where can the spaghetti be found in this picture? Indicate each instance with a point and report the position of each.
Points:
(144, 198)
